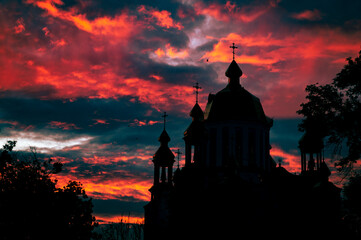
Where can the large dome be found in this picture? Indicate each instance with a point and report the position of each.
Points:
(234, 102)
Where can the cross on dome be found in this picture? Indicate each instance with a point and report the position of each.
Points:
(197, 87)
(164, 116)
(234, 47)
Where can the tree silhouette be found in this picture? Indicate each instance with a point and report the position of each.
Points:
(352, 193)
(333, 112)
(32, 207)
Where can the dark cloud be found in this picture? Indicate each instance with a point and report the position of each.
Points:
(62, 80)
(285, 135)
(116, 207)
(82, 112)
(336, 13)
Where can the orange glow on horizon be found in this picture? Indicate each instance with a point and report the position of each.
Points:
(106, 219)
(110, 189)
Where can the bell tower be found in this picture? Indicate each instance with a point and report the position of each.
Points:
(158, 210)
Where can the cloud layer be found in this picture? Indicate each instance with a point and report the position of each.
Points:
(87, 81)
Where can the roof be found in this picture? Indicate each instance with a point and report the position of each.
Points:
(197, 113)
(235, 103)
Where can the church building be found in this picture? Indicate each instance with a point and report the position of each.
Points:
(230, 186)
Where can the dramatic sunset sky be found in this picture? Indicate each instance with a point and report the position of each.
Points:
(86, 81)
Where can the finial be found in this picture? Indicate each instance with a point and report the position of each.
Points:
(164, 117)
(178, 154)
(197, 87)
(234, 47)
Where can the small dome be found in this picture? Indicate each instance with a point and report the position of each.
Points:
(164, 137)
(234, 71)
(163, 156)
(310, 143)
(197, 113)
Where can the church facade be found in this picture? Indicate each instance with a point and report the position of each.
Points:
(230, 185)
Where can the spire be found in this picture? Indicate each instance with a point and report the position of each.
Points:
(164, 137)
(233, 72)
(164, 116)
(196, 113)
(178, 152)
(234, 47)
(197, 87)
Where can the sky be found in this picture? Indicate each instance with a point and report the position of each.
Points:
(87, 81)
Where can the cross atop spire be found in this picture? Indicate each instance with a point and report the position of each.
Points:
(234, 47)
(197, 87)
(164, 116)
(178, 152)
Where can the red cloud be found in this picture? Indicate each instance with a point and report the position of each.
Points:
(20, 26)
(110, 189)
(230, 11)
(291, 162)
(120, 26)
(161, 18)
(311, 15)
(63, 125)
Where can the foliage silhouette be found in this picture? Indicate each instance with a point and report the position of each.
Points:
(122, 230)
(352, 193)
(31, 205)
(333, 112)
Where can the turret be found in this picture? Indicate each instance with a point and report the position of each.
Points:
(311, 146)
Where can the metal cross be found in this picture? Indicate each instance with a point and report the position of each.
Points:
(178, 153)
(197, 87)
(164, 116)
(234, 47)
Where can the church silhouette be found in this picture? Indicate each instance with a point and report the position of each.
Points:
(230, 187)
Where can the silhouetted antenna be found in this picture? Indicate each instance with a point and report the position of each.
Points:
(164, 116)
(178, 154)
(197, 87)
(234, 47)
